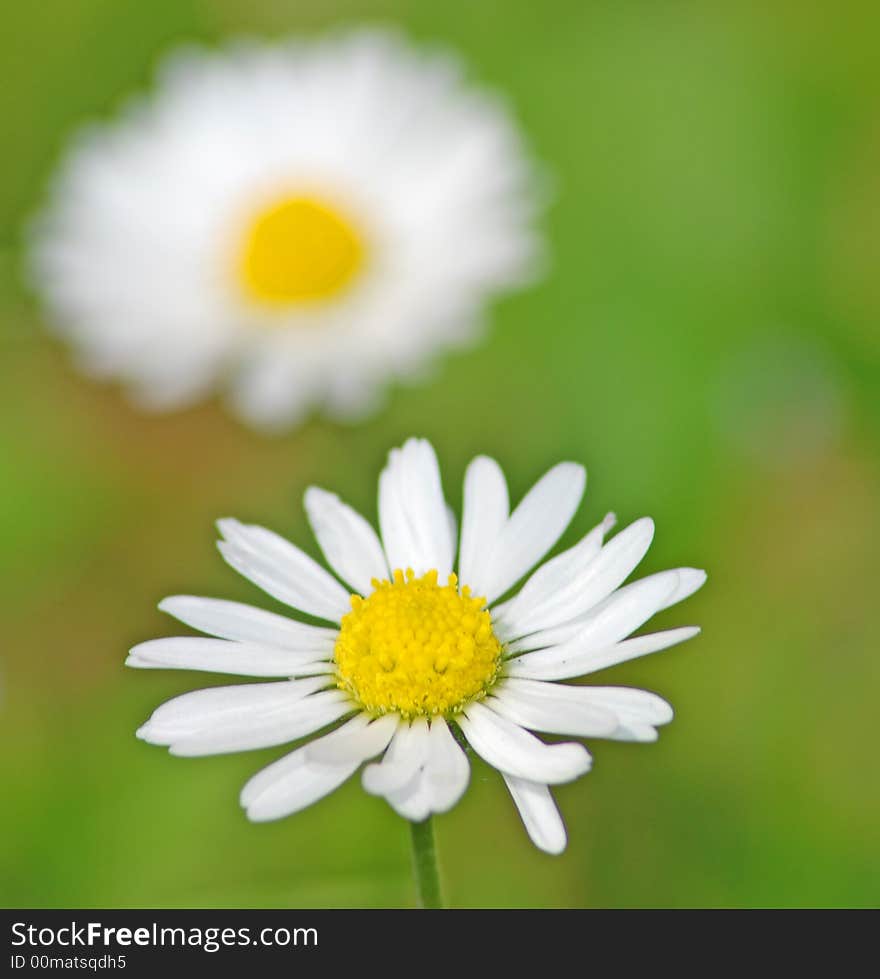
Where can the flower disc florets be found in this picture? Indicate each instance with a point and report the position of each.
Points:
(417, 647)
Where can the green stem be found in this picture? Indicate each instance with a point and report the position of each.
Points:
(425, 864)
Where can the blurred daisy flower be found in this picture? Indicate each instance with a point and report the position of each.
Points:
(420, 660)
(298, 224)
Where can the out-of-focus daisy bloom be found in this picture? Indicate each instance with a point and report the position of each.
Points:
(416, 653)
(298, 223)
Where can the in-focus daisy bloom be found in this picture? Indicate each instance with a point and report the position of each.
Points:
(418, 659)
(296, 224)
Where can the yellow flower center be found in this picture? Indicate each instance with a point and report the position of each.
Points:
(417, 647)
(297, 250)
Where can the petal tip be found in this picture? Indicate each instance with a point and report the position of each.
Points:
(171, 604)
(315, 496)
(227, 526)
(576, 471)
(553, 848)
(647, 526)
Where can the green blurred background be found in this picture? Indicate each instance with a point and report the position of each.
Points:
(707, 343)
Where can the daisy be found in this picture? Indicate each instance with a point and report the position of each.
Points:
(297, 224)
(418, 660)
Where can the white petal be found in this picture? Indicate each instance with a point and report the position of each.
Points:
(566, 666)
(290, 785)
(607, 624)
(498, 613)
(485, 509)
(244, 623)
(632, 731)
(402, 762)
(452, 525)
(413, 800)
(446, 770)
(313, 714)
(512, 750)
(544, 638)
(539, 814)
(631, 704)
(556, 573)
(349, 543)
(576, 581)
(689, 581)
(350, 742)
(424, 771)
(304, 776)
(193, 711)
(225, 656)
(268, 777)
(637, 711)
(282, 570)
(552, 707)
(534, 527)
(429, 512)
(398, 539)
(412, 511)
(624, 714)
(224, 719)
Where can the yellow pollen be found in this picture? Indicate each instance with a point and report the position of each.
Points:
(416, 647)
(297, 250)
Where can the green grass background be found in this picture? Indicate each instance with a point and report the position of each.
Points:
(706, 342)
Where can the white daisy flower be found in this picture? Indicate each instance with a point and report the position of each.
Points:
(417, 656)
(296, 223)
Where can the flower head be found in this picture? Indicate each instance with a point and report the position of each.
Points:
(299, 223)
(417, 653)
